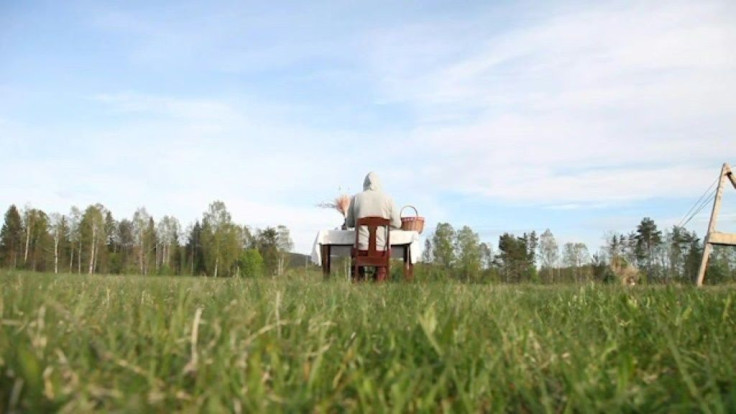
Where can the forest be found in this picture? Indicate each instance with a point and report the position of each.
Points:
(644, 255)
(93, 241)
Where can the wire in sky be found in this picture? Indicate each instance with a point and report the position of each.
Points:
(702, 205)
(698, 204)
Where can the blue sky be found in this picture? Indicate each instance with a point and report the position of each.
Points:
(580, 117)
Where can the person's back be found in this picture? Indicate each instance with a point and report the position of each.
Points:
(372, 202)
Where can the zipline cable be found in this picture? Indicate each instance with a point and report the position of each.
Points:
(707, 200)
(703, 204)
(687, 217)
(697, 203)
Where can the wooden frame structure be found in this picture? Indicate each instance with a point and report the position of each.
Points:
(714, 237)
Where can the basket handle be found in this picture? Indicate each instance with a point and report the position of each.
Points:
(416, 213)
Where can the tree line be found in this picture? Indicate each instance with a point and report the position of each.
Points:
(93, 241)
(645, 254)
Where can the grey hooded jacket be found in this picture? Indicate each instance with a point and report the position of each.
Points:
(372, 202)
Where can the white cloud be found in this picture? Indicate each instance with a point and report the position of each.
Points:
(175, 156)
(599, 105)
(188, 109)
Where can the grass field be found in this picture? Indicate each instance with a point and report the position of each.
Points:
(133, 344)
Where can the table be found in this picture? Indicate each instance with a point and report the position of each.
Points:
(338, 243)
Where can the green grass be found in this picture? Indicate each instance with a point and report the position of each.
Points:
(98, 343)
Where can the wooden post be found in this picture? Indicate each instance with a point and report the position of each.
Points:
(714, 237)
(326, 251)
(408, 265)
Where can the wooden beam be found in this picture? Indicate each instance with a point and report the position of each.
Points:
(733, 180)
(729, 174)
(712, 225)
(722, 239)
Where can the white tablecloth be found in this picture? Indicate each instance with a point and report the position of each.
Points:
(342, 241)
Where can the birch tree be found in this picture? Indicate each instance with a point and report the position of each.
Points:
(151, 241)
(140, 222)
(27, 225)
(221, 239)
(549, 253)
(284, 245)
(168, 237)
(468, 253)
(443, 250)
(75, 239)
(486, 255)
(575, 255)
(29, 218)
(427, 252)
(92, 227)
(59, 229)
(35, 226)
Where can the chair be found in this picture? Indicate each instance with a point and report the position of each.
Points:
(372, 256)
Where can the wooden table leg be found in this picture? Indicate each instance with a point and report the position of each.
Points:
(408, 266)
(325, 248)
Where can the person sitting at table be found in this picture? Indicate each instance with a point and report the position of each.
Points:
(372, 202)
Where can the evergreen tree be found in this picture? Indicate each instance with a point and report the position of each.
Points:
(11, 238)
(531, 240)
(39, 241)
(693, 257)
(648, 238)
(616, 249)
(267, 243)
(514, 254)
(194, 251)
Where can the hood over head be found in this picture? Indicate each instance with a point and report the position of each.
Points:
(372, 182)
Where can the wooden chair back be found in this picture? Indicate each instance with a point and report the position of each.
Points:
(373, 256)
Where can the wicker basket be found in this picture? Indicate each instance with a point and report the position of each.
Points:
(415, 223)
